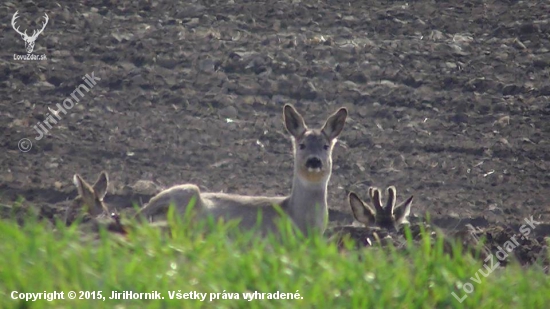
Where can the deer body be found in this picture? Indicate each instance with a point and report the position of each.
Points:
(306, 205)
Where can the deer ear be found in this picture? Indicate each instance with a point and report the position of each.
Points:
(83, 188)
(335, 123)
(101, 184)
(294, 122)
(361, 211)
(402, 211)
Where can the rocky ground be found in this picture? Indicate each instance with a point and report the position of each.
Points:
(448, 101)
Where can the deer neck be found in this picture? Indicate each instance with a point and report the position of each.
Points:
(307, 204)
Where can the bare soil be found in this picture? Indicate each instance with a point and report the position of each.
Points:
(448, 101)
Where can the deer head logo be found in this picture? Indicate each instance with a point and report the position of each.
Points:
(29, 40)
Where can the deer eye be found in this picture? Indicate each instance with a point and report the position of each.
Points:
(302, 146)
(326, 147)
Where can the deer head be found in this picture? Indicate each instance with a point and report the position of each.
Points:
(389, 217)
(90, 207)
(29, 40)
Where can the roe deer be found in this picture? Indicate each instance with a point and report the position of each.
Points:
(89, 206)
(307, 203)
(389, 217)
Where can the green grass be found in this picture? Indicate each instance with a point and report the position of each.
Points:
(34, 259)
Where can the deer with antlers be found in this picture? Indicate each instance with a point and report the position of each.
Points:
(389, 217)
(29, 40)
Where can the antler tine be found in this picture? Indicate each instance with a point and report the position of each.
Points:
(375, 197)
(46, 21)
(15, 16)
(43, 26)
(371, 193)
(390, 204)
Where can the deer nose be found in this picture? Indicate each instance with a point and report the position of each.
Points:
(314, 163)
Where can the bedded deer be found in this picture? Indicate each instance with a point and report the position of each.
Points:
(306, 205)
(389, 217)
(90, 208)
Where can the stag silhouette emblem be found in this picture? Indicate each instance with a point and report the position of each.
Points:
(29, 40)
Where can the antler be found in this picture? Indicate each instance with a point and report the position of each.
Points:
(390, 205)
(374, 194)
(389, 217)
(43, 26)
(13, 25)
